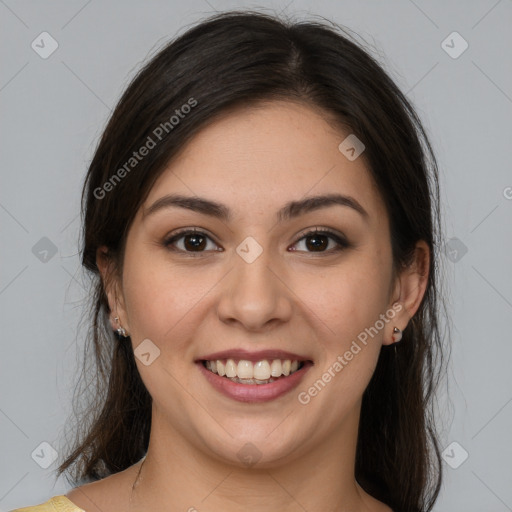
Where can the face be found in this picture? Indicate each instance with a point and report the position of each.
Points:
(256, 281)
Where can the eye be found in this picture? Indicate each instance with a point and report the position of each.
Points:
(315, 240)
(190, 240)
(321, 240)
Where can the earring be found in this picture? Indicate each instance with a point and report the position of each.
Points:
(397, 335)
(120, 330)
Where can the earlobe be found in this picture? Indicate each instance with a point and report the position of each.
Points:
(397, 335)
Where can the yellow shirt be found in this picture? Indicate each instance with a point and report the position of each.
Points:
(55, 504)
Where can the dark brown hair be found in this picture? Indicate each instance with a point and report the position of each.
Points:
(232, 60)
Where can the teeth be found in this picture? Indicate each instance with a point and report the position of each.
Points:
(244, 370)
(231, 368)
(253, 373)
(261, 370)
(251, 381)
(276, 368)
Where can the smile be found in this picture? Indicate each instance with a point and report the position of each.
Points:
(246, 372)
(253, 389)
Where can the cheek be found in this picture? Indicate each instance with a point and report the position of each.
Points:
(349, 299)
(164, 305)
(348, 311)
(162, 301)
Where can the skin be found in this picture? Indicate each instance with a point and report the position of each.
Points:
(304, 301)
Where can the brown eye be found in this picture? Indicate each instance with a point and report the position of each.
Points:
(317, 242)
(190, 241)
(194, 242)
(322, 241)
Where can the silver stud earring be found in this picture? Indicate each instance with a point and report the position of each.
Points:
(120, 330)
(397, 335)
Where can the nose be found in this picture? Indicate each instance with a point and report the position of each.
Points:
(255, 295)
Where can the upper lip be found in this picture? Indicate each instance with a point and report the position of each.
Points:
(252, 356)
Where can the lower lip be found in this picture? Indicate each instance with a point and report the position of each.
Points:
(255, 392)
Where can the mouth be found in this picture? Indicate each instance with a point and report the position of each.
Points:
(243, 371)
(254, 377)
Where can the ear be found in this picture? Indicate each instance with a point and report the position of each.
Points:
(409, 289)
(112, 286)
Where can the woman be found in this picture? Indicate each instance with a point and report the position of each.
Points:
(261, 221)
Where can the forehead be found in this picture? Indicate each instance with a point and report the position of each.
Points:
(263, 155)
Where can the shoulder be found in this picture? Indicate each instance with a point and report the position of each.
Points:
(55, 504)
(106, 495)
(101, 496)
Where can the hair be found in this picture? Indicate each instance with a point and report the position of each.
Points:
(233, 60)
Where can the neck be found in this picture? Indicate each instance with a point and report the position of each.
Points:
(177, 475)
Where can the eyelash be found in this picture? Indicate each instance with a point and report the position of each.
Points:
(342, 243)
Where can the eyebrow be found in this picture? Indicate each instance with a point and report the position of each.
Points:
(289, 211)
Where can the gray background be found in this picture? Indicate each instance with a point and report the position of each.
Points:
(53, 111)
